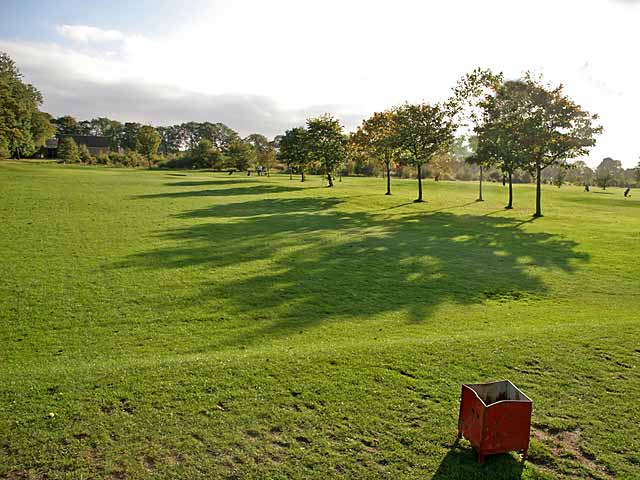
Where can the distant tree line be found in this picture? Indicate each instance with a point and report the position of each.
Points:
(489, 129)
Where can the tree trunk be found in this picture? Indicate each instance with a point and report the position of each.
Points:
(480, 199)
(330, 180)
(538, 190)
(419, 199)
(302, 174)
(388, 164)
(290, 173)
(510, 205)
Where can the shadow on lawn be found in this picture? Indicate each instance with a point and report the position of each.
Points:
(202, 183)
(221, 192)
(460, 462)
(286, 264)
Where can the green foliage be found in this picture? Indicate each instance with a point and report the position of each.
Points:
(85, 155)
(326, 143)
(240, 155)
(423, 131)
(580, 173)
(68, 150)
(67, 125)
(147, 142)
(554, 129)
(264, 150)
(377, 137)
(129, 135)
(609, 173)
(21, 124)
(205, 155)
(561, 177)
(294, 149)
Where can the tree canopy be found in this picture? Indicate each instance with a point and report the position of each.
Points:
(423, 130)
(327, 144)
(23, 128)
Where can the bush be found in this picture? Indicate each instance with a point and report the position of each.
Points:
(68, 150)
(102, 159)
(116, 158)
(85, 155)
(180, 161)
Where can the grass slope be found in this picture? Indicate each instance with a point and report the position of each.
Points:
(198, 325)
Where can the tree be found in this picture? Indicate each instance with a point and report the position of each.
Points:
(205, 155)
(552, 130)
(221, 135)
(129, 135)
(293, 149)
(42, 128)
(85, 154)
(68, 150)
(377, 136)
(67, 125)
(327, 145)
(608, 172)
(240, 154)
(498, 140)
(473, 95)
(579, 173)
(147, 142)
(172, 139)
(264, 151)
(19, 103)
(483, 158)
(560, 177)
(423, 131)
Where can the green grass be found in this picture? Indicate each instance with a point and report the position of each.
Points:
(199, 325)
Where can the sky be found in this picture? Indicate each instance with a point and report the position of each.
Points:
(264, 67)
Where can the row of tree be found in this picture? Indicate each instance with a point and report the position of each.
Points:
(515, 125)
(190, 145)
(515, 130)
(208, 145)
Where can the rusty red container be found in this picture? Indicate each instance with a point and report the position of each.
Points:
(495, 418)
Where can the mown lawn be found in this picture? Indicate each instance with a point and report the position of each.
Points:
(199, 325)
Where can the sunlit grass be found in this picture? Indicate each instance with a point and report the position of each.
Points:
(206, 325)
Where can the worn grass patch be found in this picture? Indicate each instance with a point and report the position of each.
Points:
(196, 325)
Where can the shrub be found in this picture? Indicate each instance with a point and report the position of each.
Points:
(85, 155)
(68, 150)
(102, 159)
(177, 160)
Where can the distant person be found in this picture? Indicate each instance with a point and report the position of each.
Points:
(627, 192)
(586, 187)
(437, 178)
(259, 170)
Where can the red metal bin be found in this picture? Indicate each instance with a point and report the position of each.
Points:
(495, 417)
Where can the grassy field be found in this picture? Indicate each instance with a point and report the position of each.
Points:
(198, 325)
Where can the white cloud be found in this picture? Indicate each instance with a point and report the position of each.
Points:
(275, 62)
(89, 34)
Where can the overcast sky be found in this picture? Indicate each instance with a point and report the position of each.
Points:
(264, 66)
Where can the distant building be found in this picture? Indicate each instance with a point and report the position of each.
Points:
(96, 145)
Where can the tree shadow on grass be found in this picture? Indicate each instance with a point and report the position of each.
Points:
(460, 462)
(222, 192)
(288, 264)
(203, 183)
